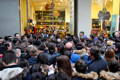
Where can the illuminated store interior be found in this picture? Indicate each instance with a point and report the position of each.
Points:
(59, 14)
(105, 15)
(46, 13)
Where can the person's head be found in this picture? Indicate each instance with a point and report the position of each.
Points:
(60, 48)
(110, 54)
(42, 47)
(80, 66)
(59, 40)
(92, 37)
(17, 35)
(79, 46)
(16, 41)
(9, 58)
(75, 40)
(6, 38)
(8, 46)
(37, 43)
(81, 34)
(69, 38)
(29, 36)
(24, 38)
(94, 53)
(18, 51)
(23, 63)
(63, 63)
(51, 47)
(32, 50)
(42, 58)
(69, 46)
(55, 32)
(110, 42)
(117, 34)
(23, 47)
(114, 66)
(117, 46)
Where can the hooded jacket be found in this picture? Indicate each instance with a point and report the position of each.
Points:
(110, 75)
(9, 73)
(91, 75)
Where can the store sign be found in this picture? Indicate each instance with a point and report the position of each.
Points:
(101, 15)
(104, 14)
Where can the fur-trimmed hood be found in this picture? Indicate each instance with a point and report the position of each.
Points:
(91, 75)
(9, 73)
(110, 75)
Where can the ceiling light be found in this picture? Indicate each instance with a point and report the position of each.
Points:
(61, 0)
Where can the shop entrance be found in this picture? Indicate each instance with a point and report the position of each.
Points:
(105, 16)
(47, 15)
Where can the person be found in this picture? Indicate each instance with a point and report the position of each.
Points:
(49, 57)
(36, 73)
(11, 68)
(18, 52)
(17, 35)
(68, 49)
(116, 39)
(60, 48)
(33, 52)
(114, 66)
(52, 53)
(63, 64)
(110, 55)
(1, 47)
(16, 42)
(97, 63)
(62, 71)
(8, 46)
(42, 47)
(74, 58)
(44, 34)
(117, 45)
(113, 72)
(81, 67)
(110, 44)
(80, 48)
(24, 64)
(116, 36)
(8, 38)
(82, 35)
(58, 76)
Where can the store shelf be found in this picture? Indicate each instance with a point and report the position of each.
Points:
(50, 18)
(96, 26)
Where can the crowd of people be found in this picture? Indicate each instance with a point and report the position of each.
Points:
(50, 57)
